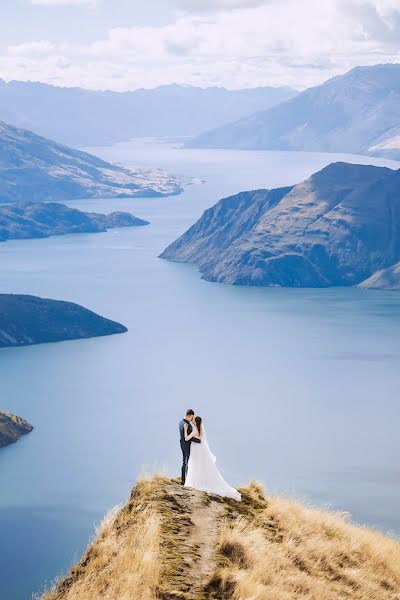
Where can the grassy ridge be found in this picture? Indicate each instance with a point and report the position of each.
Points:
(170, 543)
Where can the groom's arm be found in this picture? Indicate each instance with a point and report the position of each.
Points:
(197, 440)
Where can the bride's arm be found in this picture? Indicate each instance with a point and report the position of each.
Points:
(187, 437)
(191, 436)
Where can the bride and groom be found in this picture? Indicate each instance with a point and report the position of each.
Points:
(199, 469)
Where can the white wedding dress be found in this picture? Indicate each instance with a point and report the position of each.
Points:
(202, 472)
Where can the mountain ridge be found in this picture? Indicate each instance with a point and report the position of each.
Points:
(338, 227)
(36, 168)
(357, 112)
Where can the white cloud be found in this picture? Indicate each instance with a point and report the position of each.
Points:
(277, 43)
(29, 48)
(90, 3)
(217, 5)
(386, 7)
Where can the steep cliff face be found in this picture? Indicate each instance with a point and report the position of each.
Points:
(337, 228)
(12, 428)
(26, 320)
(174, 543)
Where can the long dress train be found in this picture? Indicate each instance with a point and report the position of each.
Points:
(203, 473)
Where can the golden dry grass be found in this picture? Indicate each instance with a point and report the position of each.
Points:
(266, 548)
(276, 549)
(124, 560)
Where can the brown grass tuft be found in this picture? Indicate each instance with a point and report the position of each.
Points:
(256, 490)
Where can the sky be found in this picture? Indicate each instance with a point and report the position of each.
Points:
(129, 44)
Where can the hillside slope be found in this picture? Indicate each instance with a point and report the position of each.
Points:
(172, 543)
(36, 168)
(12, 428)
(337, 228)
(80, 117)
(358, 112)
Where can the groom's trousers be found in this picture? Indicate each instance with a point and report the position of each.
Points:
(185, 447)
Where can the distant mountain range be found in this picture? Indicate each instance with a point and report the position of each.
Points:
(340, 227)
(36, 168)
(39, 220)
(80, 117)
(26, 320)
(358, 112)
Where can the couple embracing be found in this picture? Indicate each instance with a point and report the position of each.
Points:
(199, 469)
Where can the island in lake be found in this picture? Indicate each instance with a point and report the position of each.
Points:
(26, 320)
(40, 219)
(12, 428)
(340, 227)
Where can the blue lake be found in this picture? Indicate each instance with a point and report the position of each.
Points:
(298, 388)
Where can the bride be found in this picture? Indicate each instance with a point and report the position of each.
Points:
(202, 472)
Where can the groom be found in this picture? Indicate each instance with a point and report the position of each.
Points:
(185, 446)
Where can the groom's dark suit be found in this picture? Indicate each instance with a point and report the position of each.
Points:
(185, 446)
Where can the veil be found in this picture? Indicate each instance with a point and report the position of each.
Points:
(204, 443)
(203, 473)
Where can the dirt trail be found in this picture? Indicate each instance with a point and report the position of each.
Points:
(200, 537)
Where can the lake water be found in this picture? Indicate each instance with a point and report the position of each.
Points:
(299, 388)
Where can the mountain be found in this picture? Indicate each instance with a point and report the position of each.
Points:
(174, 543)
(44, 219)
(11, 428)
(35, 168)
(337, 228)
(26, 320)
(358, 112)
(80, 117)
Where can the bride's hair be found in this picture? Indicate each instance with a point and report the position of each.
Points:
(198, 421)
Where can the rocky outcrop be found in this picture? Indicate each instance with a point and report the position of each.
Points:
(358, 112)
(12, 428)
(34, 168)
(337, 228)
(26, 320)
(40, 219)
